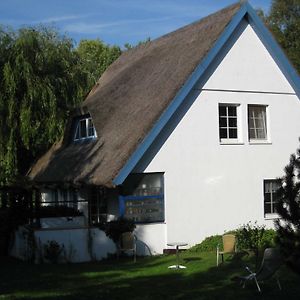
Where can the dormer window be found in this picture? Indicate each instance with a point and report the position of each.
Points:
(85, 129)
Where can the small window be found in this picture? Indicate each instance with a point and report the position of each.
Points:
(85, 129)
(257, 122)
(143, 198)
(270, 195)
(228, 122)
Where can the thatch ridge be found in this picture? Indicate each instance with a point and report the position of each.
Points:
(128, 100)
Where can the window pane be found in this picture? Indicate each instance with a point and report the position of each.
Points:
(82, 128)
(91, 132)
(261, 134)
(77, 136)
(232, 122)
(222, 110)
(144, 210)
(268, 208)
(223, 122)
(268, 187)
(251, 123)
(252, 134)
(232, 110)
(232, 133)
(259, 123)
(223, 133)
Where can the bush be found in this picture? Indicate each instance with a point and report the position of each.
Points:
(52, 251)
(254, 237)
(114, 229)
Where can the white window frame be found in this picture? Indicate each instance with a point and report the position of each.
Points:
(272, 214)
(266, 130)
(87, 121)
(228, 140)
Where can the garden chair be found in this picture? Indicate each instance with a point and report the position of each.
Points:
(229, 246)
(270, 264)
(127, 243)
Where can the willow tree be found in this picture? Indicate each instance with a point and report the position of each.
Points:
(96, 56)
(40, 82)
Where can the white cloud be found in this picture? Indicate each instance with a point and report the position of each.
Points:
(84, 27)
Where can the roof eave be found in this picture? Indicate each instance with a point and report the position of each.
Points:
(180, 96)
(270, 43)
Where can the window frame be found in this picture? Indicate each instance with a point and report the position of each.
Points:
(238, 127)
(88, 120)
(132, 198)
(256, 140)
(272, 202)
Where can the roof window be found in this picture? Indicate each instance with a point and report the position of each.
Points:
(85, 129)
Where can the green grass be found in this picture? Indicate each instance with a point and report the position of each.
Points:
(149, 278)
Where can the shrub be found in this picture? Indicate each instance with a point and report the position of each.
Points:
(254, 237)
(114, 229)
(52, 251)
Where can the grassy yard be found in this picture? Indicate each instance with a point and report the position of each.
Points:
(149, 278)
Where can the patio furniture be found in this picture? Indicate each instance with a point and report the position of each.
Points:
(127, 243)
(229, 246)
(177, 245)
(270, 264)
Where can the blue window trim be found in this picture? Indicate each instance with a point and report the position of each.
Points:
(245, 11)
(123, 199)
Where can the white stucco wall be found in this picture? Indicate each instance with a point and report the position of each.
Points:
(210, 187)
(74, 240)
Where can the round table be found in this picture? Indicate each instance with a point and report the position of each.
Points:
(177, 245)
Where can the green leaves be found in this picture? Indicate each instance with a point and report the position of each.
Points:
(42, 78)
(95, 58)
(40, 82)
(284, 22)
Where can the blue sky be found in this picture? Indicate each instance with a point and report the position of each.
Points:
(116, 22)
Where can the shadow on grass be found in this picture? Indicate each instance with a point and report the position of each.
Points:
(149, 278)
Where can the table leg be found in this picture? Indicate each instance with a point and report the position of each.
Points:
(177, 266)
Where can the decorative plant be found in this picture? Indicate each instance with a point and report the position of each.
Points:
(114, 229)
(52, 251)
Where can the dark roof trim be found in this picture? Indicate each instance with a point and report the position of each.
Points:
(267, 39)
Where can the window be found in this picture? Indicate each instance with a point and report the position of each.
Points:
(270, 195)
(257, 122)
(143, 198)
(85, 129)
(228, 122)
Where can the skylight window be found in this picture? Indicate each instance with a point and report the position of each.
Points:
(85, 129)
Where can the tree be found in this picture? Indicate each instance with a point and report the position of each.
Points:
(288, 227)
(128, 46)
(95, 58)
(284, 22)
(40, 82)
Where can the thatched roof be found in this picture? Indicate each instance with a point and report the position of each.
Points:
(128, 100)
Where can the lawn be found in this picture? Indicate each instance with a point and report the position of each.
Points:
(149, 278)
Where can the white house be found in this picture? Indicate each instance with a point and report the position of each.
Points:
(185, 134)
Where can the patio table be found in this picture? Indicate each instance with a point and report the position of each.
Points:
(177, 245)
